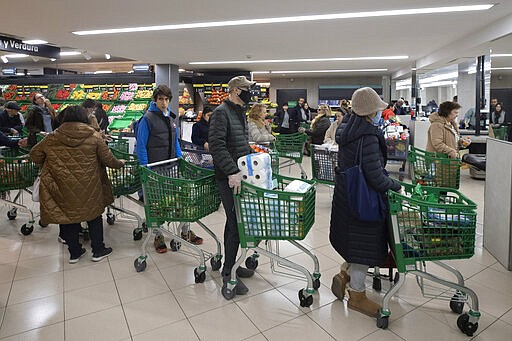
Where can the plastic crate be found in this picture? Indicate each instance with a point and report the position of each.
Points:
(274, 214)
(432, 224)
(119, 144)
(178, 191)
(125, 180)
(323, 164)
(434, 169)
(120, 123)
(501, 133)
(397, 149)
(17, 171)
(291, 146)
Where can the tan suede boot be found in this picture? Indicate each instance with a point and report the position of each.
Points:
(339, 283)
(358, 301)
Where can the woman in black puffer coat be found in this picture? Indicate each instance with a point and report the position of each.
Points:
(360, 243)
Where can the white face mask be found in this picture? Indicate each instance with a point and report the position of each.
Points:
(376, 119)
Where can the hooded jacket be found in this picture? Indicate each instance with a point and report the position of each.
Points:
(358, 241)
(74, 186)
(443, 136)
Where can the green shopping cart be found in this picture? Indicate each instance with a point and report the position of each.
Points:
(323, 163)
(266, 215)
(176, 193)
(433, 224)
(434, 169)
(291, 146)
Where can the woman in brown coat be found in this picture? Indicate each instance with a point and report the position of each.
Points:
(74, 186)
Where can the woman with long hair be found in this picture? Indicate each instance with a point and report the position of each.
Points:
(259, 128)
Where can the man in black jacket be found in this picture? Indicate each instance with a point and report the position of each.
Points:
(10, 122)
(228, 140)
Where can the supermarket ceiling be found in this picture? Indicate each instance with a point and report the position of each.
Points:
(426, 39)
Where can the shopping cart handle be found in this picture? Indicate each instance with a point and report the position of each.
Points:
(149, 165)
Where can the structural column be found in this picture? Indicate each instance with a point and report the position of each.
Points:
(168, 74)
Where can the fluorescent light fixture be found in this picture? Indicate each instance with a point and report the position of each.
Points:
(20, 74)
(107, 56)
(269, 61)
(4, 59)
(53, 59)
(439, 83)
(403, 83)
(140, 67)
(440, 77)
(300, 18)
(70, 53)
(35, 41)
(102, 71)
(318, 71)
(501, 55)
(501, 68)
(16, 55)
(181, 70)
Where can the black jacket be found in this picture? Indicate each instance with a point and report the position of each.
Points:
(317, 133)
(200, 132)
(102, 118)
(5, 141)
(298, 114)
(7, 122)
(294, 120)
(34, 121)
(228, 138)
(359, 241)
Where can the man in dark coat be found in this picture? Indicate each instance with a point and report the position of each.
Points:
(10, 122)
(360, 243)
(287, 120)
(228, 140)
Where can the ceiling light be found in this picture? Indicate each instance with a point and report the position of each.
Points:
(319, 71)
(181, 70)
(16, 55)
(266, 61)
(86, 55)
(301, 18)
(4, 59)
(35, 41)
(20, 74)
(440, 83)
(501, 55)
(440, 77)
(107, 56)
(102, 71)
(53, 59)
(70, 53)
(501, 68)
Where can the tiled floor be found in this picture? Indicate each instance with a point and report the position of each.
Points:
(42, 297)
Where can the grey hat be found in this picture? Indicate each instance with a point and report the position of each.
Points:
(240, 82)
(365, 101)
(12, 105)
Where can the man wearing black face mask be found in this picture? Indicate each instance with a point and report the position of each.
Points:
(228, 140)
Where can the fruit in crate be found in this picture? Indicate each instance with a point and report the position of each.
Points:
(144, 94)
(126, 96)
(62, 107)
(20, 97)
(93, 95)
(109, 95)
(62, 94)
(106, 107)
(56, 106)
(136, 107)
(9, 95)
(24, 107)
(77, 95)
(119, 109)
(12, 87)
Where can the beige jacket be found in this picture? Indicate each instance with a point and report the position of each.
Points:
(443, 136)
(330, 134)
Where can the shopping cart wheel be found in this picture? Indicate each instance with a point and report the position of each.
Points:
(303, 176)
(111, 219)
(382, 322)
(456, 303)
(465, 326)
(137, 233)
(305, 301)
(199, 276)
(144, 227)
(26, 230)
(139, 265)
(42, 225)
(227, 293)
(377, 283)
(316, 283)
(215, 262)
(251, 263)
(175, 246)
(12, 213)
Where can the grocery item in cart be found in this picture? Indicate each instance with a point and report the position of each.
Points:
(256, 169)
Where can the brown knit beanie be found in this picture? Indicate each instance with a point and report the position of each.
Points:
(366, 101)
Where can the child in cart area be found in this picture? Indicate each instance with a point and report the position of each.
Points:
(228, 139)
(77, 153)
(361, 243)
(157, 140)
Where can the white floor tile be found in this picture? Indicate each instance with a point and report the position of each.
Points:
(141, 285)
(83, 277)
(490, 300)
(181, 329)
(497, 331)
(7, 271)
(201, 297)
(108, 324)
(497, 280)
(90, 300)
(38, 266)
(301, 328)
(382, 335)
(5, 290)
(321, 297)
(224, 323)
(54, 332)
(36, 287)
(123, 267)
(507, 317)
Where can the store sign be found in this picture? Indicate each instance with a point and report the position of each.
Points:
(17, 46)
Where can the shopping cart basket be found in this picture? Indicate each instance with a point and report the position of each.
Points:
(274, 215)
(433, 224)
(17, 172)
(434, 169)
(119, 144)
(291, 146)
(398, 150)
(126, 181)
(176, 191)
(198, 157)
(323, 163)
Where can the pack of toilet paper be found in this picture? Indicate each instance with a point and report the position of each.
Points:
(256, 169)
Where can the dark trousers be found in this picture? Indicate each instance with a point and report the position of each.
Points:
(231, 238)
(70, 233)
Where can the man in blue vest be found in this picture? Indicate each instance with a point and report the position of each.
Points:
(157, 140)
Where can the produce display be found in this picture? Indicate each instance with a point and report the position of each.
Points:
(62, 94)
(77, 95)
(109, 95)
(217, 97)
(119, 109)
(134, 106)
(93, 95)
(126, 96)
(144, 94)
